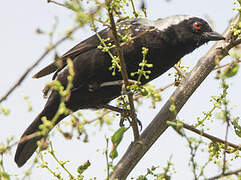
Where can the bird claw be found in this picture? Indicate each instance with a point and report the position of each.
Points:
(126, 116)
(139, 123)
(121, 123)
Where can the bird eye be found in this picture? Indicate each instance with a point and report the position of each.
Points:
(197, 26)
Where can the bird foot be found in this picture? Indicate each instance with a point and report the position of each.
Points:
(125, 115)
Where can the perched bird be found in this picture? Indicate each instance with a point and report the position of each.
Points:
(167, 40)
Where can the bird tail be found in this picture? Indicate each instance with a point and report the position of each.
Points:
(26, 148)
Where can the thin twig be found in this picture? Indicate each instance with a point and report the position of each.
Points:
(212, 138)
(226, 139)
(193, 154)
(59, 162)
(124, 74)
(106, 158)
(21, 79)
(138, 95)
(59, 4)
(137, 36)
(228, 64)
(99, 117)
(26, 138)
(225, 148)
(113, 108)
(133, 9)
(180, 71)
(225, 174)
(165, 87)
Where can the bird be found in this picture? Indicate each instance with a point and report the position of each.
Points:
(167, 40)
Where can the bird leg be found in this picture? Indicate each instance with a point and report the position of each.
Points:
(125, 114)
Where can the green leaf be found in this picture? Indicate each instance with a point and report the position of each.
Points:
(118, 135)
(113, 153)
(230, 72)
(237, 127)
(4, 110)
(116, 139)
(144, 92)
(4, 176)
(177, 126)
(81, 169)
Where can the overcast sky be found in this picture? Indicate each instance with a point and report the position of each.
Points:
(20, 47)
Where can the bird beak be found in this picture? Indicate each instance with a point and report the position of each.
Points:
(213, 36)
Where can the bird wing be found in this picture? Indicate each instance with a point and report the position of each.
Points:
(83, 47)
(59, 64)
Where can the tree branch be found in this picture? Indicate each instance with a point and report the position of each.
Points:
(21, 79)
(124, 75)
(225, 174)
(158, 125)
(212, 138)
(57, 3)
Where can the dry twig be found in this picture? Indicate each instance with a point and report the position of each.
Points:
(22, 78)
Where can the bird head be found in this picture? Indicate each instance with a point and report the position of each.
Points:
(188, 30)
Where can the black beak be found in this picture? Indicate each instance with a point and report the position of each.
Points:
(213, 36)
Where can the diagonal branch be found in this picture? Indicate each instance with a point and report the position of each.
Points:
(158, 125)
(238, 171)
(212, 138)
(21, 79)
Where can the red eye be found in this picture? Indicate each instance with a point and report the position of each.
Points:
(197, 26)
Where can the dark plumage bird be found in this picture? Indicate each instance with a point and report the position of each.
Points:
(168, 40)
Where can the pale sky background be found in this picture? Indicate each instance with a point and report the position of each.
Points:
(20, 47)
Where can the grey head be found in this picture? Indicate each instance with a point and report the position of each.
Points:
(188, 28)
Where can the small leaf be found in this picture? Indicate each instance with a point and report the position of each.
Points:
(4, 110)
(113, 153)
(81, 169)
(118, 135)
(116, 139)
(238, 133)
(237, 127)
(4, 176)
(230, 72)
(177, 126)
(144, 92)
